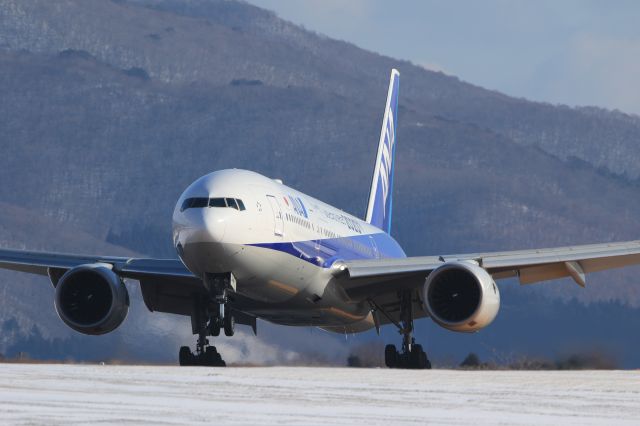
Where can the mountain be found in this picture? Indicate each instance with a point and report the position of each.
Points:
(109, 109)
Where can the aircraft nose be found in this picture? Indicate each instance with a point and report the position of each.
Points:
(214, 223)
(198, 239)
(202, 225)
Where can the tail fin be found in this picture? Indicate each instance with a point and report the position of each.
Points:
(381, 193)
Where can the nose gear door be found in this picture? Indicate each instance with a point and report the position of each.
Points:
(277, 216)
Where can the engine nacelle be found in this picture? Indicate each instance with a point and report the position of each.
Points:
(461, 296)
(92, 299)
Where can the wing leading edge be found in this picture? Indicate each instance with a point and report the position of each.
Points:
(43, 263)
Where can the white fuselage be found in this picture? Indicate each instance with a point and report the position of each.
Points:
(280, 246)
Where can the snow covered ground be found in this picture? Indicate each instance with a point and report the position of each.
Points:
(84, 394)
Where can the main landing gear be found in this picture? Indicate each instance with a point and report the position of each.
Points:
(210, 316)
(412, 356)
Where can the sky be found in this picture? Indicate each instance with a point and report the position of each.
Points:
(573, 52)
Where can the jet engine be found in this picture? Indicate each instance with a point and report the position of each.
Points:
(461, 296)
(92, 299)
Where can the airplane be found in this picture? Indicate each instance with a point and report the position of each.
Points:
(251, 247)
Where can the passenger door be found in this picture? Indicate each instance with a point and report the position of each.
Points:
(277, 216)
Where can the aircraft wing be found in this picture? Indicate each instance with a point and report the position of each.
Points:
(363, 279)
(49, 264)
(166, 284)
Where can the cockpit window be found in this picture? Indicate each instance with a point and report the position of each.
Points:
(191, 203)
(217, 202)
(231, 202)
(198, 202)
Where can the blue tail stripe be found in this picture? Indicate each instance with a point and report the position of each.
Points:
(379, 209)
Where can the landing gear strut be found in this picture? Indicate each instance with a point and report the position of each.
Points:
(201, 324)
(412, 355)
(210, 315)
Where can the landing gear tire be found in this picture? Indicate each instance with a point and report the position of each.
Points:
(426, 362)
(411, 355)
(185, 357)
(418, 358)
(390, 356)
(415, 359)
(214, 327)
(229, 324)
(421, 361)
(212, 358)
(209, 358)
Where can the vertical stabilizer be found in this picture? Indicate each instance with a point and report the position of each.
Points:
(381, 193)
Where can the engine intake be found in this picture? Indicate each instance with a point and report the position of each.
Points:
(92, 299)
(461, 296)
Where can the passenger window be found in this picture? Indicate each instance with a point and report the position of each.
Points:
(217, 202)
(231, 202)
(240, 204)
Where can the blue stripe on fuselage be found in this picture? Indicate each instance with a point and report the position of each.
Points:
(323, 252)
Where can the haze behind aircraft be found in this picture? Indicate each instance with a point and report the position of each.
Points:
(251, 247)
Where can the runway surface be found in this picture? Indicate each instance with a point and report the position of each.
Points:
(84, 394)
